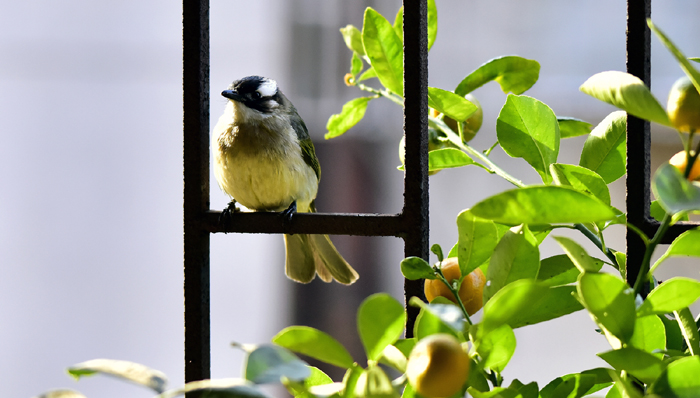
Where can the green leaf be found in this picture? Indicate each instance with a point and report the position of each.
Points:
(577, 254)
(374, 383)
(455, 106)
(270, 363)
(477, 380)
(432, 23)
(353, 39)
(696, 59)
(350, 380)
(477, 240)
(687, 244)
(569, 386)
(610, 301)
(509, 302)
(131, 371)
(446, 158)
(542, 205)
(689, 329)
(315, 344)
(649, 335)
(514, 74)
(393, 357)
(219, 388)
(623, 387)
(574, 384)
(496, 392)
(398, 23)
(355, 64)
(516, 257)
(437, 318)
(414, 268)
(528, 129)
(628, 93)
(496, 348)
(687, 67)
(437, 250)
(605, 149)
(638, 363)
(555, 302)
(530, 390)
(405, 345)
(353, 111)
(571, 127)
(384, 49)
(316, 378)
(657, 212)
(674, 336)
(680, 379)
(380, 321)
(581, 179)
(674, 193)
(560, 270)
(368, 74)
(672, 295)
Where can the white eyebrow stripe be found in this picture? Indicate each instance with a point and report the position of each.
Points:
(268, 88)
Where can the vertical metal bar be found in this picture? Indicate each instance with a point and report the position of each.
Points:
(638, 134)
(195, 32)
(415, 210)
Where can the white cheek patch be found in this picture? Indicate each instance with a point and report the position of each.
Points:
(267, 88)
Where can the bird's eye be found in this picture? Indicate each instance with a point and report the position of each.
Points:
(256, 95)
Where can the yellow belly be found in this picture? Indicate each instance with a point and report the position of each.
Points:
(262, 171)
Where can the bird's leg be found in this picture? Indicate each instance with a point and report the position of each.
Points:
(289, 213)
(225, 216)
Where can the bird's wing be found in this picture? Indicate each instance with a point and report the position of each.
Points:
(307, 147)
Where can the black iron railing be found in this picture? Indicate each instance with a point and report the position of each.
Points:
(412, 223)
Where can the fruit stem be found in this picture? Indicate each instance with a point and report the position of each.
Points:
(455, 293)
(384, 93)
(454, 138)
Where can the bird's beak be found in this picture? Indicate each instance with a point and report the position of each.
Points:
(232, 95)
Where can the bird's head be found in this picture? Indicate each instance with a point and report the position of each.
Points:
(257, 93)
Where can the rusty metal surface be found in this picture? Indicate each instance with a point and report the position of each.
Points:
(195, 32)
(638, 136)
(416, 201)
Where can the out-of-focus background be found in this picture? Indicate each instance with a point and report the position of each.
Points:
(91, 171)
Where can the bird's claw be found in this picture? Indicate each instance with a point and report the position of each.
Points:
(288, 213)
(227, 212)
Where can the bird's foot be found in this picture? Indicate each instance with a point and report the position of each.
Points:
(288, 213)
(227, 212)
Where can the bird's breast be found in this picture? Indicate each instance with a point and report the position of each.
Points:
(262, 169)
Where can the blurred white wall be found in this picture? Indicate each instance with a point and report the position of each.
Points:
(90, 165)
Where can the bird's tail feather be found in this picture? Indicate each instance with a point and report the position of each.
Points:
(300, 265)
(334, 263)
(311, 254)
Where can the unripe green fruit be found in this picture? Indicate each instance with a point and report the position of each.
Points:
(683, 105)
(470, 126)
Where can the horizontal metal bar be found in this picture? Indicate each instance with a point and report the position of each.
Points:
(309, 223)
(650, 226)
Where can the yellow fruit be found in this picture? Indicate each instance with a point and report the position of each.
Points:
(683, 105)
(438, 367)
(679, 161)
(470, 292)
(470, 126)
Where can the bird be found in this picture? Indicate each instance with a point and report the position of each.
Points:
(264, 159)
